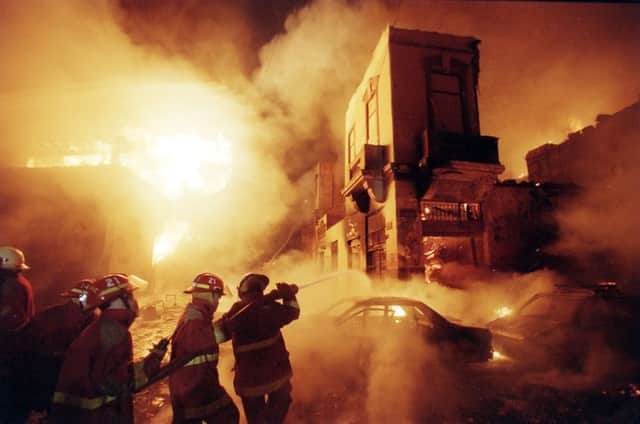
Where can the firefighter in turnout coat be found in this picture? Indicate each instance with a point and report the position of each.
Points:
(98, 374)
(196, 393)
(16, 311)
(48, 336)
(263, 371)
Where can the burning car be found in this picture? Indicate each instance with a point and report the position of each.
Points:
(398, 315)
(567, 327)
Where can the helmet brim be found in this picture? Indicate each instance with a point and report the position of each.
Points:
(191, 290)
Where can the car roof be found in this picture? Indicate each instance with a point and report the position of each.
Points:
(568, 293)
(357, 302)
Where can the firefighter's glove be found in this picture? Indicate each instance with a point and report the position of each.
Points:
(287, 291)
(160, 349)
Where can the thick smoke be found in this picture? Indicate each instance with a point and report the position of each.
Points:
(546, 68)
(598, 226)
(276, 83)
(342, 375)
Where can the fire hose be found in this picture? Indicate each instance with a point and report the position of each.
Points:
(273, 294)
(168, 369)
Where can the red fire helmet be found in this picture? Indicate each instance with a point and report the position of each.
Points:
(107, 289)
(206, 283)
(80, 288)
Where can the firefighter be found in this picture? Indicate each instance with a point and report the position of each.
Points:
(196, 393)
(98, 374)
(263, 371)
(48, 336)
(16, 295)
(16, 311)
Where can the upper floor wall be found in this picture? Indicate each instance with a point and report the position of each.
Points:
(417, 100)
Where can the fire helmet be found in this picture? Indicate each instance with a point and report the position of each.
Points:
(80, 292)
(206, 283)
(252, 283)
(12, 259)
(108, 288)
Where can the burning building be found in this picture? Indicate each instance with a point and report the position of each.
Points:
(421, 182)
(597, 225)
(590, 154)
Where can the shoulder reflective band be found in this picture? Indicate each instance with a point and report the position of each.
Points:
(81, 402)
(202, 359)
(257, 345)
(293, 303)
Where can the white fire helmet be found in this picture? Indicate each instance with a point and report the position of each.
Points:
(12, 259)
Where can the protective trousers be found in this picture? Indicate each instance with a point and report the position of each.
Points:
(268, 409)
(228, 414)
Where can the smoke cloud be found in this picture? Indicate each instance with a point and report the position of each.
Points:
(598, 225)
(547, 68)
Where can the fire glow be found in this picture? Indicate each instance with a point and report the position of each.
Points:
(167, 241)
(504, 311)
(184, 162)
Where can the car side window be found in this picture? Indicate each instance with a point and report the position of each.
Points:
(365, 316)
(422, 319)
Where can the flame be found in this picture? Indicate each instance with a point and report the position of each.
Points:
(504, 311)
(173, 164)
(167, 241)
(398, 311)
(93, 154)
(575, 124)
(167, 131)
(183, 162)
(497, 356)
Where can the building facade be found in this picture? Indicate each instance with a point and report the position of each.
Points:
(420, 180)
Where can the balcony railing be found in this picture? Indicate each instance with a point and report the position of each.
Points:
(451, 212)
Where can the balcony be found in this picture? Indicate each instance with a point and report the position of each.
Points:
(450, 218)
(445, 147)
(367, 174)
(371, 158)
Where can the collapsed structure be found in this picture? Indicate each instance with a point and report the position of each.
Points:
(591, 154)
(419, 184)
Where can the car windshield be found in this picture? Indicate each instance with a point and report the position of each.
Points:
(339, 308)
(553, 306)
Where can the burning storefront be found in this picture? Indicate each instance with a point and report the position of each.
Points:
(421, 182)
